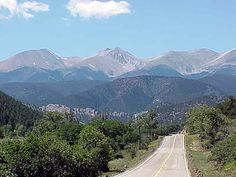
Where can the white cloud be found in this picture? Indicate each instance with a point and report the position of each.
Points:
(9, 8)
(97, 9)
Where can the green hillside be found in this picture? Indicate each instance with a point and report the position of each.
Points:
(137, 94)
(46, 92)
(225, 83)
(13, 112)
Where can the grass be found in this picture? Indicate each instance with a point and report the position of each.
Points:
(232, 127)
(118, 165)
(10, 139)
(199, 164)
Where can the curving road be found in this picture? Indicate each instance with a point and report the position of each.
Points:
(168, 161)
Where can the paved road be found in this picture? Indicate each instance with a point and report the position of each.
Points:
(168, 161)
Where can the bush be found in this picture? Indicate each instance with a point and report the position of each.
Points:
(209, 123)
(144, 143)
(45, 156)
(69, 132)
(225, 151)
(132, 150)
(5, 172)
(1, 133)
(96, 144)
(117, 165)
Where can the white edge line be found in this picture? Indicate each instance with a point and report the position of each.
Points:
(168, 158)
(156, 152)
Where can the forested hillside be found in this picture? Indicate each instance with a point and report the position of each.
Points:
(222, 82)
(44, 93)
(13, 112)
(138, 94)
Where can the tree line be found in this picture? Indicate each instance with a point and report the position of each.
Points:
(216, 129)
(58, 146)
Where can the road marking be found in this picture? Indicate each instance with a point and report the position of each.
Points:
(168, 157)
(185, 159)
(140, 165)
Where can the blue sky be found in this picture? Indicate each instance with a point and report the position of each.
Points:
(145, 28)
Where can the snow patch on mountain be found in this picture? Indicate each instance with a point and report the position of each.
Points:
(113, 62)
(186, 62)
(117, 62)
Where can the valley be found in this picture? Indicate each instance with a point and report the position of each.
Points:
(117, 88)
(115, 82)
(111, 111)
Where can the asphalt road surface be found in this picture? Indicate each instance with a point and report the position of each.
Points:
(168, 161)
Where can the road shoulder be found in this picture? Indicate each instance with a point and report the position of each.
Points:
(198, 162)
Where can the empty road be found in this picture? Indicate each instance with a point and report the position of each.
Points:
(168, 161)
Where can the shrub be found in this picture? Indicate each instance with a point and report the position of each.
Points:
(45, 156)
(225, 151)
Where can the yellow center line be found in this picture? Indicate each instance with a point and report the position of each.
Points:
(168, 157)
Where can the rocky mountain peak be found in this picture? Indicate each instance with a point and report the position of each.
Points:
(118, 54)
(42, 58)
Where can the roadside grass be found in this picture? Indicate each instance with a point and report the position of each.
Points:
(118, 165)
(199, 164)
(232, 127)
(6, 139)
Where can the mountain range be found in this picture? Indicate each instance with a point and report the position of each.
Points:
(115, 81)
(45, 66)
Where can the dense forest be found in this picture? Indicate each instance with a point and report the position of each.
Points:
(51, 144)
(13, 112)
